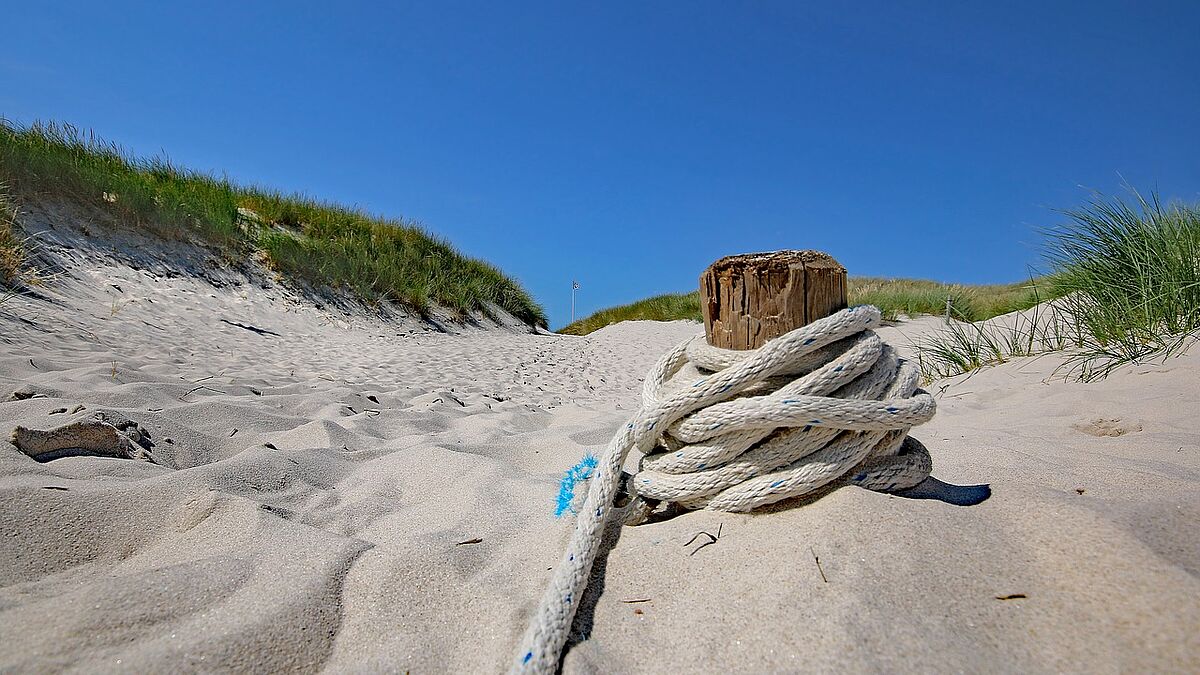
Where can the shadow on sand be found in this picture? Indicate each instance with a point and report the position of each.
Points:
(957, 495)
(930, 488)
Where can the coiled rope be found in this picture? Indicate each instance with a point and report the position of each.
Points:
(824, 402)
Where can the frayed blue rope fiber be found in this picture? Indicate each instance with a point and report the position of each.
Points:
(566, 489)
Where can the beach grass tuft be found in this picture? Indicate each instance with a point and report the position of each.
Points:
(1127, 281)
(1128, 272)
(963, 346)
(15, 269)
(12, 252)
(311, 243)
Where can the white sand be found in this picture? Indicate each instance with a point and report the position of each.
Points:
(339, 547)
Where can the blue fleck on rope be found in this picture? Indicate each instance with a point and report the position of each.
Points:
(566, 490)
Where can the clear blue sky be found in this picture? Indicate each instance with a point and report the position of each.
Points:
(630, 145)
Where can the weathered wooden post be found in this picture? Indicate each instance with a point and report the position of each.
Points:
(749, 299)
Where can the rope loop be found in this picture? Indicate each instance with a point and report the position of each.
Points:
(735, 430)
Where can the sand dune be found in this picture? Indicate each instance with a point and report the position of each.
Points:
(334, 492)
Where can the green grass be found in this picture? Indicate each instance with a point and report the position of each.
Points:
(668, 307)
(1127, 279)
(1129, 276)
(13, 255)
(970, 302)
(963, 346)
(894, 297)
(312, 244)
(17, 269)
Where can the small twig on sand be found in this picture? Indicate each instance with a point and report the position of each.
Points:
(476, 540)
(252, 329)
(712, 539)
(818, 561)
(636, 600)
(193, 389)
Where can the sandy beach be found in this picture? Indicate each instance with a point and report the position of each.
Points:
(646, 338)
(329, 491)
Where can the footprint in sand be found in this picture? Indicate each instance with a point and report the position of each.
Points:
(1107, 426)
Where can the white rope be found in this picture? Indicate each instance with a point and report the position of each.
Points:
(827, 401)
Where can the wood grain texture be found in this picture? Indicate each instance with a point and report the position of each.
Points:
(749, 299)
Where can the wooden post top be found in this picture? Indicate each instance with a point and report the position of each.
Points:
(750, 298)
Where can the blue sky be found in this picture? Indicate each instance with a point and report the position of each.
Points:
(629, 145)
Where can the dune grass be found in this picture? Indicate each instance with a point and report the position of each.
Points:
(963, 346)
(666, 307)
(894, 297)
(1127, 279)
(310, 243)
(18, 272)
(970, 302)
(13, 254)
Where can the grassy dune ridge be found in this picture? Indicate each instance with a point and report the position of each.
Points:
(1124, 274)
(666, 307)
(320, 244)
(894, 297)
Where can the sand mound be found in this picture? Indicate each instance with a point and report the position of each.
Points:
(335, 492)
